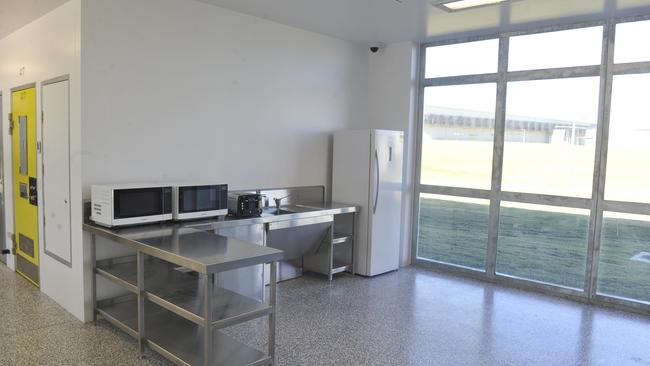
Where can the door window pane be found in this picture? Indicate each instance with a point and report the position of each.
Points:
(457, 135)
(453, 230)
(624, 269)
(462, 59)
(628, 157)
(575, 47)
(632, 42)
(551, 136)
(543, 243)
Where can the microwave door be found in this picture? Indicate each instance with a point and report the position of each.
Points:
(207, 199)
(142, 204)
(195, 199)
(201, 201)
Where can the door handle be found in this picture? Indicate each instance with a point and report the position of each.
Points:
(374, 209)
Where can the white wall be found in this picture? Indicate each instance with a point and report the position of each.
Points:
(176, 89)
(46, 48)
(182, 90)
(392, 94)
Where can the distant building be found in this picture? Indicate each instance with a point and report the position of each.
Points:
(458, 124)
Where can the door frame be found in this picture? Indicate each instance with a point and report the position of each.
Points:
(13, 233)
(3, 236)
(43, 239)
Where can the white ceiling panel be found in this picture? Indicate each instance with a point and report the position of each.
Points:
(14, 14)
(415, 20)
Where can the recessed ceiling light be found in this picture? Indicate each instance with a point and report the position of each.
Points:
(456, 5)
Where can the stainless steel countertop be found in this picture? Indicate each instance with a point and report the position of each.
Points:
(198, 250)
(191, 245)
(299, 211)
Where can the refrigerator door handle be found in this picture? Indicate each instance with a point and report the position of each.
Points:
(374, 209)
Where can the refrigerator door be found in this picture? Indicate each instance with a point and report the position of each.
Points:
(385, 206)
(351, 184)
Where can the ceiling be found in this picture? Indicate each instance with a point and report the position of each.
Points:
(384, 21)
(415, 20)
(14, 14)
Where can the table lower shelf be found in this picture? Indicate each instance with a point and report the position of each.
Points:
(182, 293)
(184, 340)
(178, 339)
(340, 267)
(121, 312)
(341, 238)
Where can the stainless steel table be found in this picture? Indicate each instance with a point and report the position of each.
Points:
(174, 306)
(336, 255)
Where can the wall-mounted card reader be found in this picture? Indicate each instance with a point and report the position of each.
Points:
(33, 192)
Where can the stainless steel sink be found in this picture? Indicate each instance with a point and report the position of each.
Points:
(274, 211)
(286, 210)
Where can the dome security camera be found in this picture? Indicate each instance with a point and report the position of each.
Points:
(375, 46)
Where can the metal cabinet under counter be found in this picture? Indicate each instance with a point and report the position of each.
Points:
(172, 301)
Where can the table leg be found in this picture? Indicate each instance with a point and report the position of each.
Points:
(141, 315)
(93, 256)
(330, 275)
(272, 303)
(354, 241)
(208, 352)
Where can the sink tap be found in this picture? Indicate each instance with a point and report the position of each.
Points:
(278, 203)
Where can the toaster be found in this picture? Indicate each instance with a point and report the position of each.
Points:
(245, 204)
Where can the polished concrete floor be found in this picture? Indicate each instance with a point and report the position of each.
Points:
(411, 317)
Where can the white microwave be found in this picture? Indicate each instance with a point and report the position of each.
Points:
(130, 204)
(194, 201)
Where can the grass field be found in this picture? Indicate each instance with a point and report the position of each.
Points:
(539, 245)
(537, 242)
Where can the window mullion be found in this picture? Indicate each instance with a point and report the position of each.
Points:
(632, 68)
(600, 167)
(415, 217)
(555, 73)
(497, 157)
(461, 80)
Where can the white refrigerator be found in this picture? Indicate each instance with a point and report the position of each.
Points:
(367, 171)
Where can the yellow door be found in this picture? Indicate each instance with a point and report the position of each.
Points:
(23, 141)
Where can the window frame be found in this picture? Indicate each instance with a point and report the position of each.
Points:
(596, 204)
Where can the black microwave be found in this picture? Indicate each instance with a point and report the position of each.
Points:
(194, 201)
